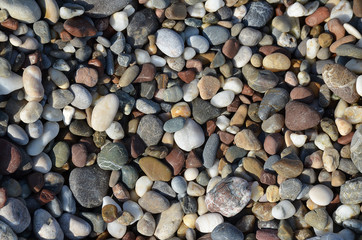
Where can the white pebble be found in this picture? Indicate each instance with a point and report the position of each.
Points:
(312, 48)
(134, 209)
(283, 210)
(222, 99)
(352, 30)
(197, 10)
(129, 9)
(119, 21)
(14, 40)
(189, 53)
(32, 80)
(242, 57)
(10, 84)
(3, 37)
(68, 113)
(195, 190)
(190, 90)
(323, 141)
(191, 174)
(116, 230)
(36, 146)
(143, 185)
(71, 10)
(239, 13)
(142, 56)
(213, 171)
(343, 11)
(104, 112)
(298, 139)
(359, 85)
(212, 183)
(321, 195)
(222, 122)
(233, 84)
(158, 61)
(214, 5)
(52, 114)
(34, 129)
(311, 7)
(42, 163)
(296, 10)
(233, 129)
(31, 112)
(207, 222)
(17, 134)
(345, 212)
(69, 48)
(115, 131)
(191, 136)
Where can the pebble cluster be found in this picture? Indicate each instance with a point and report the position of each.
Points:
(190, 119)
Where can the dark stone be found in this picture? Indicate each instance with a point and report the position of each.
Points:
(203, 111)
(188, 204)
(210, 149)
(226, 231)
(259, 13)
(100, 9)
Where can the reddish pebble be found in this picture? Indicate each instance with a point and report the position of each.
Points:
(339, 42)
(231, 48)
(226, 137)
(35, 181)
(80, 27)
(257, 97)
(147, 73)
(247, 90)
(86, 76)
(10, 157)
(267, 50)
(335, 26)
(45, 196)
(344, 140)
(317, 17)
(210, 127)
(121, 192)
(268, 178)
(267, 234)
(176, 158)
(97, 65)
(3, 197)
(129, 236)
(65, 36)
(234, 105)
(187, 76)
(273, 143)
(302, 94)
(194, 64)
(10, 24)
(79, 154)
(193, 161)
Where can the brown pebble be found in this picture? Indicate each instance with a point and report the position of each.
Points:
(147, 74)
(234, 105)
(335, 26)
(288, 168)
(10, 23)
(240, 115)
(317, 17)
(192, 160)
(194, 64)
(339, 42)
(273, 143)
(176, 158)
(80, 27)
(226, 137)
(86, 76)
(79, 154)
(300, 116)
(263, 211)
(325, 40)
(97, 65)
(35, 181)
(208, 87)
(3, 197)
(177, 11)
(121, 192)
(302, 94)
(137, 146)
(109, 213)
(210, 127)
(247, 90)
(357, 8)
(187, 76)
(344, 140)
(44, 196)
(129, 236)
(253, 166)
(65, 36)
(10, 157)
(231, 48)
(268, 178)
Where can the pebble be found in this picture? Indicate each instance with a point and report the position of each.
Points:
(112, 156)
(169, 221)
(246, 139)
(27, 11)
(249, 37)
(36, 146)
(74, 227)
(208, 222)
(317, 218)
(6, 232)
(17, 134)
(283, 210)
(104, 112)
(349, 191)
(150, 129)
(154, 202)
(242, 57)
(343, 11)
(146, 225)
(321, 195)
(226, 230)
(222, 99)
(155, 169)
(216, 34)
(300, 116)
(190, 136)
(169, 42)
(258, 14)
(199, 43)
(228, 197)
(45, 226)
(79, 27)
(15, 214)
(119, 21)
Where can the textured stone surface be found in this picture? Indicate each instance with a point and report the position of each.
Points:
(100, 9)
(300, 116)
(228, 197)
(350, 192)
(356, 148)
(112, 156)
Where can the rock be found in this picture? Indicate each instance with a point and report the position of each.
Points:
(17, 134)
(344, 212)
(169, 42)
(103, 9)
(177, 11)
(349, 50)
(191, 136)
(242, 57)
(288, 168)
(341, 81)
(116, 229)
(59, 154)
(27, 11)
(321, 195)
(199, 43)
(10, 83)
(155, 169)
(276, 62)
(6, 232)
(33, 87)
(273, 101)
(45, 226)
(70, 10)
(74, 227)
(169, 221)
(89, 185)
(259, 13)
(343, 11)
(150, 129)
(79, 27)
(86, 76)
(104, 112)
(82, 97)
(353, 224)
(216, 34)
(203, 111)
(300, 116)
(174, 124)
(228, 197)
(356, 152)
(210, 149)
(349, 192)
(250, 37)
(146, 225)
(15, 214)
(11, 157)
(208, 87)
(119, 21)
(283, 210)
(112, 156)
(260, 81)
(208, 222)
(317, 218)
(228, 231)
(222, 99)
(154, 202)
(246, 139)
(143, 23)
(60, 98)
(96, 221)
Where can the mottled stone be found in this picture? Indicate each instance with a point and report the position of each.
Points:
(300, 116)
(356, 148)
(112, 156)
(350, 191)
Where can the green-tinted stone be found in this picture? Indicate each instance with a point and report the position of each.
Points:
(129, 176)
(80, 128)
(60, 154)
(112, 156)
(99, 139)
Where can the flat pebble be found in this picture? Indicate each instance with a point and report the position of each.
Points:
(321, 195)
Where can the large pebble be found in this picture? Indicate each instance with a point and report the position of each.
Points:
(207, 222)
(82, 97)
(259, 13)
(300, 116)
(119, 21)
(27, 11)
(321, 195)
(36, 146)
(15, 214)
(283, 210)
(154, 202)
(216, 34)
(104, 112)
(32, 80)
(150, 129)
(6, 232)
(169, 42)
(112, 156)
(45, 226)
(222, 99)
(169, 221)
(226, 231)
(74, 227)
(17, 134)
(190, 136)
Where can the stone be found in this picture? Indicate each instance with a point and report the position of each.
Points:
(242, 57)
(356, 153)
(46, 226)
(119, 21)
(41, 29)
(321, 195)
(230, 48)
(216, 34)
(228, 231)
(349, 192)
(247, 140)
(300, 116)
(74, 227)
(208, 87)
(86, 76)
(79, 27)
(344, 87)
(27, 11)
(273, 101)
(155, 169)
(263, 211)
(330, 159)
(59, 154)
(60, 98)
(15, 214)
(290, 189)
(112, 156)
(10, 83)
(250, 37)
(82, 97)
(174, 124)
(199, 43)
(6, 232)
(169, 221)
(190, 136)
(169, 42)
(317, 218)
(104, 112)
(210, 149)
(276, 62)
(222, 99)
(150, 129)
(208, 222)
(89, 185)
(11, 157)
(259, 13)
(283, 210)
(288, 168)
(17, 134)
(343, 11)
(228, 197)
(32, 78)
(96, 9)
(260, 81)
(154, 202)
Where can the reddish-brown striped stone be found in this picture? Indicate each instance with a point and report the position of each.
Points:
(44, 196)
(80, 27)
(65, 36)
(176, 158)
(187, 76)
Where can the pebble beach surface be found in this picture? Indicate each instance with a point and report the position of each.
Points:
(190, 119)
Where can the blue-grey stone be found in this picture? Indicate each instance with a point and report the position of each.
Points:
(174, 124)
(210, 149)
(216, 34)
(147, 106)
(173, 94)
(225, 231)
(112, 156)
(273, 101)
(290, 189)
(100, 9)
(126, 102)
(258, 14)
(55, 207)
(164, 188)
(67, 200)
(150, 129)
(179, 184)
(118, 42)
(95, 220)
(235, 153)
(199, 43)
(202, 111)
(129, 176)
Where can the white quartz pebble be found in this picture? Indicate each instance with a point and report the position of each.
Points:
(31, 112)
(17, 134)
(343, 11)
(191, 136)
(312, 48)
(296, 10)
(233, 84)
(143, 185)
(104, 112)
(222, 99)
(70, 10)
(158, 61)
(222, 122)
(298, 139)
(36, 146)
(116, 230)
(115, 131)
(352, 30)
(191, 174)
(189, 53)
(345, 212)
(190, 90)
(214, 5)
(239, 13)
(242, 57)
(213, 171)
(119, 21)
(42, 163)
(207, 222)
(359, 85)
(197, 10)
(321, 195)
(283, 210)
(134, 209)
(169, 42)
(68, 113)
